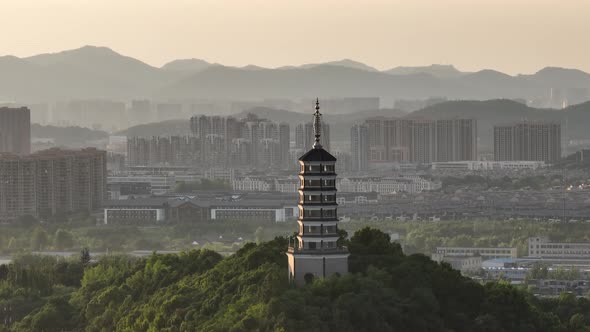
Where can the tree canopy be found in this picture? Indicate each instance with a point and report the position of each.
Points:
(200, 290)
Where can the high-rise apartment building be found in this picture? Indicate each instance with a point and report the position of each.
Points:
(91, 113)
(359, 148)
(456, 140)
(529, 141)
(70, 181)
(52, 182)
(285, 144)
(174, 151)
(17, 187)
(15, 130)
(249, 142)
(376, 139)
(140, 112)
(421, 141)
(503, 143)
(300, 137)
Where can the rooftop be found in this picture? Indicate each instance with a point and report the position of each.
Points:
(317, 154)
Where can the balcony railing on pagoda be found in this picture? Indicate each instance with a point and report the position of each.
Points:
(295, 248)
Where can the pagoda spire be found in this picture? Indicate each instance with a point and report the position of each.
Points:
(317, 125)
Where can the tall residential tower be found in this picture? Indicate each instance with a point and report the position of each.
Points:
(15, 130)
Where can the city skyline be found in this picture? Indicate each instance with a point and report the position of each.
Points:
(275, 35)
(164, 165)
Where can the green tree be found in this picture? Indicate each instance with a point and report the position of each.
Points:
(39, 239)
(63, 239)
(85, 256)
(577, 323)
(259, 234)
(342, 238)
(12, 244)
(538, 271)
(371, 246)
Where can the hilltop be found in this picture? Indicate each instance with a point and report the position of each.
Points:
(249, 291)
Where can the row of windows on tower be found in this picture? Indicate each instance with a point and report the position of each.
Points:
(318, 183)
(317, 230)
(322, 213)
(318, 168)
(318, 245)
(328, 199)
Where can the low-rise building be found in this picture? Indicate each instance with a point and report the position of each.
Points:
(244, 210)
(135, 211)
(197, 209)
(541, 246)
(155, 210)
(357, 198)
(218, 173)
(159, 183)
(550, 287)
(287, 185)
(386, 185)
(126, 190)
(484, 252)
(252, 183)
(471, 165)
(465, 264)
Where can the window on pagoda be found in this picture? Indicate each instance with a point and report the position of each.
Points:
(329, 168)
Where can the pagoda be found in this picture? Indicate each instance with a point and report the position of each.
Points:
(314, 252)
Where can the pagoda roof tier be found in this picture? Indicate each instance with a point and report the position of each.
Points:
(317, 154)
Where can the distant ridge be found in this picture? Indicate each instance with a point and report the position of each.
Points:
(100, 72)
(342, 63)
(188, 65)
(440, 71)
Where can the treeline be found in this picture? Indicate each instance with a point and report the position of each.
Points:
(249, 291)
(29, 234)
(425, 236)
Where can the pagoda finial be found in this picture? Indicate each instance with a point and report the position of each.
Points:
(317, 125)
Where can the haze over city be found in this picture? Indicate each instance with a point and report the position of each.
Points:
(288, 166)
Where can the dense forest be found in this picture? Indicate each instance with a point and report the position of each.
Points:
(249, 291)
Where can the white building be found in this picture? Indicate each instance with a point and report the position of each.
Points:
(485, 252)
(251, 183)
(288, 185)
(541, 246)
(254, 210)
(386, 185)
(486, 165)
(218, 173)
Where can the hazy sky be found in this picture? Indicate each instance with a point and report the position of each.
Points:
(514, 36)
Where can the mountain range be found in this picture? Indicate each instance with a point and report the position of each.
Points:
(99, 72)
